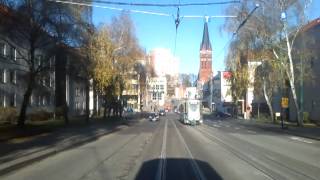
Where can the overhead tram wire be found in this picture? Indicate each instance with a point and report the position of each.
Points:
(237, 30)
(164, 5)
(110, 8)
(177, 19)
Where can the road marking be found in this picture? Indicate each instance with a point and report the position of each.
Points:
(195, 166)
(161, 173)
(217, 126)
(300, 139)
(250, 131)
(237, 128)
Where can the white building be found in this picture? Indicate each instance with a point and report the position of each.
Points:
(221, 97)
(157, 90)
(164, 62)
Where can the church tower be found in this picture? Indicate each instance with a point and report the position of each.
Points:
(205, 71)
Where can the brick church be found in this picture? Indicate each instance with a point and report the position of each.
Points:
(205, 70)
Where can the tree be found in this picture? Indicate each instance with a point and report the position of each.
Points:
(185, 80)
(114, 51)
(265, 31)
(267, 80)
(37, 26)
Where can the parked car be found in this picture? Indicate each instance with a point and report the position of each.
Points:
(162, 112)
(154, 117)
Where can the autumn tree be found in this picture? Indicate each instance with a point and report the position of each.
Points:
(115, 50)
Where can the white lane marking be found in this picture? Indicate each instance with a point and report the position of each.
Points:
(161, 173)
(237, 128)
(250, 131)
(195, 166)
(217, 126)
(300, 139)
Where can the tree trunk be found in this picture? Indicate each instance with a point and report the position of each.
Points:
(87, 101)
(26, 98)
(295, 99)
(105, 109)
(292, 81)
(268, 100)
(65, 113)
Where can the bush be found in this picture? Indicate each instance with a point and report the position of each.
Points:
(306, 117)
(60, 111)
(8, 115)
(40, 115)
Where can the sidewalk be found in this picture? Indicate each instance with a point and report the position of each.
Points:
(306, 132)
(19, 152)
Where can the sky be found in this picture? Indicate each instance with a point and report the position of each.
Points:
(159, 31)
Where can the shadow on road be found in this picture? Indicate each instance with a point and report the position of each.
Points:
(177, 168)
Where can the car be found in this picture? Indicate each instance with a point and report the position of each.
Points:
(223, 114)
(162, 113)
(154, 117)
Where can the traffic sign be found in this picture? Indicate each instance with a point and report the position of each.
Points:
(284, 102)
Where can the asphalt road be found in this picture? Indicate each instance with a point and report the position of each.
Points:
(217, 149)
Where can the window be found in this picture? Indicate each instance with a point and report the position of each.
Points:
(159, 96)
(4, 76)
(31, 100)
(52, 61)
(44, 80)
(13, 100)
(51, 80)
(154, 96)
(13, 76)
(2, 49)
(157, 87)
(161, 87)
(77, 91)
(4, 100)
(39, 100)
(38, 60)
(1, 75)
(83, 105)
(77, 106)
(44, 100)
(13, 53)
(84, 92)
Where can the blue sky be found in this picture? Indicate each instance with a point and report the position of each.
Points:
(159, 31)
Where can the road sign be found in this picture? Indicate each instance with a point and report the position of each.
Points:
(284, 102)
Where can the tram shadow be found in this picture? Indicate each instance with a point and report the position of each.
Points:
(177, 168)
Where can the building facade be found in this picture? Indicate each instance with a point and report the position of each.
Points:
(157, 91)
(221, 95)
(57, 69)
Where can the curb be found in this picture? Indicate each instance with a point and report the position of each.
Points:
(285, 131)
(297, 134)
(52, 151)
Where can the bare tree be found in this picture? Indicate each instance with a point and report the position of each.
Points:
(265, 31)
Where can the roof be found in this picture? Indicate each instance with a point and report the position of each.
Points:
(205, 44)
(311, 25)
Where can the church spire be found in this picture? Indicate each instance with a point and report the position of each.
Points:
(205, 44)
